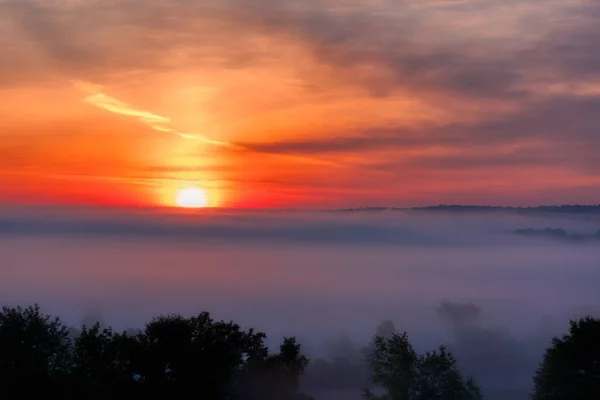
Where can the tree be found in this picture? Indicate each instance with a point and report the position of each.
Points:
(394, 366)
(175, 354)
(440, 378)
(405, 375)
(101, 364)
(171, 358)
(34, 349)
(276, 377)
(570, 368)
(286, 368)
(385, 330)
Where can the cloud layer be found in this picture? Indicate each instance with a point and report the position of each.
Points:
(321, 102)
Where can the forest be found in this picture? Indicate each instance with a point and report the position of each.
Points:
(175, 357)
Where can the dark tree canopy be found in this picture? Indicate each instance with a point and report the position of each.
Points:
(34, 347)
(177, 353)
(405, 375)
(101, 364)
(170, 358)
(570, 369)
(276, 377)
(173, 356)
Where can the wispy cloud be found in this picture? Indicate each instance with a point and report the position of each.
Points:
(96, 97)
(156, 122)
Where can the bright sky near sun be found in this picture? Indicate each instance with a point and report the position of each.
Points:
(317, 103)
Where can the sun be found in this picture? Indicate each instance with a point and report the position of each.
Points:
(191, 198)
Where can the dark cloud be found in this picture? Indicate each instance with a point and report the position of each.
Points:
(100, 40)
(367, 141)
(391, 37)
(395, 41)
(571, 47)
(560, 132)
(405, 55)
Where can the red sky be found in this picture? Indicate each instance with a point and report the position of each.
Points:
(318, 103)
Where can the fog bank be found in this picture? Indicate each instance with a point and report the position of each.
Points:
(314, 275)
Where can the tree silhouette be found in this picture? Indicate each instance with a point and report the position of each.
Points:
(570, 369)
(101, 363)
(175, 354)
(385, 330)
(287, 367)
(440, 378)
(406, 375)
(394, 366)
(34, 348)
(277, 377)
(170, 358)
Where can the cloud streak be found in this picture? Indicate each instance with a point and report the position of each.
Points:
(156, 122)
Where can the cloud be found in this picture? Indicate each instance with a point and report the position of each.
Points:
(156, 122)
(553, 133)
(404, 87)
(424, 48)
(406, 44)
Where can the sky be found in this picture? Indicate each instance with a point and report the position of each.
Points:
(299, 104)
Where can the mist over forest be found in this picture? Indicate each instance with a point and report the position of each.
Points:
(483, 283)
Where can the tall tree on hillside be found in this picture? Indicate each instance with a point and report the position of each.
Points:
(570, 369)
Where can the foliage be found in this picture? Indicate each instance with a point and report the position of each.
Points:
(440, 378)
(570, 369)
(169, 359)
(276, 377)
(406, 375)
(100, 363)
(34, 347)
(176, 354)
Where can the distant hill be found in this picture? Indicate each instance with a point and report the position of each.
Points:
(557, 209)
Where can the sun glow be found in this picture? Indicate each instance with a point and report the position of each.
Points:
(191, 198)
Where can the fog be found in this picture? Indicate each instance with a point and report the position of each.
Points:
(328, 278)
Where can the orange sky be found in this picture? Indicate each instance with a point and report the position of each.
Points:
(299, 104)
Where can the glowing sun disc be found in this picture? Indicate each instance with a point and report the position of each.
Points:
(191, 198)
